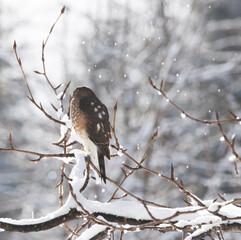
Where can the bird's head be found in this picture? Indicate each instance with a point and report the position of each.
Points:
(81, 92)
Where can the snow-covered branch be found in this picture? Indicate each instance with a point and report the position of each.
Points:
(131, 216)
(125, 211)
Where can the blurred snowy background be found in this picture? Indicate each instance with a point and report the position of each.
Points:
(112, 47)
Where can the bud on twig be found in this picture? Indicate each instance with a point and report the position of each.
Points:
(62, 10)
(14, 45)
(10, 141)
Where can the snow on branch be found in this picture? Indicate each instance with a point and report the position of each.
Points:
(131, 216)
(98, 220)
(35, 225)
(230, 143)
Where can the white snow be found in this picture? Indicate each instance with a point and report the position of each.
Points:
(222, 139)
(119, 153)
(77, 173)
(90, 149)
(233, 136)
(59, 95)
(214, 207)
(61, 211)
(232, 158)
(230, 211)
(133, 209)
(198, 232)
(182, 223)
(91, 232)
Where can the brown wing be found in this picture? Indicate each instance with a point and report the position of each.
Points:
(97, 123)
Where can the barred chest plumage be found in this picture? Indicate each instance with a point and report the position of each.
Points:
(77, 116)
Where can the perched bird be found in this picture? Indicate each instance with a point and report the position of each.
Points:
(90, 121)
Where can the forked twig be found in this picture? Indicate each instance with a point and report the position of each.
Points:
(44, 73)
(31, 98)
(40, 155)
(139, 166)
(230, 144)
(186, 115)
(181, 187)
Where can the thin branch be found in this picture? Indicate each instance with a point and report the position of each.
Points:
(65, 90)
(87, 172)
(230, 144)
(73, 233)
(31, 98)
(133, 196)
(21, 68)
(152, 139)
(186, 115)
(114, 127)
(43, 51)
(40, 155)
(181, 187)
(139, 166)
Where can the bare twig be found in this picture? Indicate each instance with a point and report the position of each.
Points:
(230, 144)
(114, 127)
(186, 115)
(87, 175)
(133, 196)
(43, 52)
(139, 166)
(31, 98)
(181, 187)
(40, 155)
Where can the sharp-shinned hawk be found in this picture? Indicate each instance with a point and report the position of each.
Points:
(90, 120)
